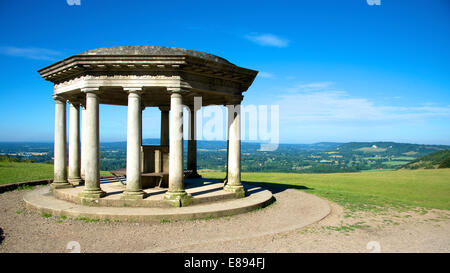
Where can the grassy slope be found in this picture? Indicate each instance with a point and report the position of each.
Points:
(19, 171)
(428, 161)
(367, 190)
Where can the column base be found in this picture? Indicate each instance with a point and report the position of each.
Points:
(238, 190)
(77, 181)
(133, 195)
(90, 197)
(60, 185)
(178, 198)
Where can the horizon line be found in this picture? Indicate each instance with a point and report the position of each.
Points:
(247, 142)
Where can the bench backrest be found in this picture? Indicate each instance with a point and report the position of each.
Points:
(155, 158)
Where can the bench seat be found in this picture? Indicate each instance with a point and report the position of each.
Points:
(123, 173)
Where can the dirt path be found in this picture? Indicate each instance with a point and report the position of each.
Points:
(411, 231)
(277, 228)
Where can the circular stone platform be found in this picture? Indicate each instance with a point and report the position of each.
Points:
(202, 191)
(209, 200)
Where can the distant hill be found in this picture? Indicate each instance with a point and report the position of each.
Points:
(440, 159)
(322, 157)
(391, 148)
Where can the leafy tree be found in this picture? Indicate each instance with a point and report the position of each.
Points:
(445, 163)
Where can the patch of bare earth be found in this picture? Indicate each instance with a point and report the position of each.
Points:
(277, 228)
(417, 230)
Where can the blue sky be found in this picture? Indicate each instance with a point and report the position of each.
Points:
(339, 70)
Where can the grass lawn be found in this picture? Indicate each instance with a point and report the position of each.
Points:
(18, 171)
(355, 191)
(11, 172)
(367, 190)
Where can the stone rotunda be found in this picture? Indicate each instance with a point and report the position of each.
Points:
(140, 77)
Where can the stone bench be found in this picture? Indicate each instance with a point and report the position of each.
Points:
(151, 179)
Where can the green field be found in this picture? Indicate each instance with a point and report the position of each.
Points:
(20, 171)
(367, 190)
(371, 150)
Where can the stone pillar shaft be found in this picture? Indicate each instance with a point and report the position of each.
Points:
(176, 193)
(74, 145)
(83, 141)
(234, 151)
(60, 148)
(192, 145)
(92, 188)
(176, 144)
(164, 127)
(134, 141)
(225, 180)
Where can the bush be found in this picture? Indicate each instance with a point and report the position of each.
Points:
(8, 159)
(445, 163)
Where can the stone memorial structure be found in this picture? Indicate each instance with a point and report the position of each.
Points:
(140, 77)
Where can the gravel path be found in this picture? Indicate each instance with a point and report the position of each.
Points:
(277, 228)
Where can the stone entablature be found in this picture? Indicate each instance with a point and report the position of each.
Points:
(148, 67)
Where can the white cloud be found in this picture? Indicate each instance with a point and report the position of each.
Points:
(266, 75)
(31, 53)
(314, 86)
(267, 40)
(318, 103)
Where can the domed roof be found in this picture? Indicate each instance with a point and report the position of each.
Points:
(152, 51)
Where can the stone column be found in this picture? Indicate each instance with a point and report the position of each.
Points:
(176, 194)
(92, 190)
(83, 139)
(192, 145)
(60, 148)
(234, 150)
(134, 141)
(225, 180)
(74, 145)
(164, 140)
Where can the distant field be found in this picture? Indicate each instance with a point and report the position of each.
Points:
(395, 163)
(19, 171)
(367, 190)
(371, 150)
(404, 158)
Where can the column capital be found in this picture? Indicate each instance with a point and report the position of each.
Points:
(177, 90)
(75, 103)
(172, 90)
(89, 90)
(59, 98)
(133, 90)
(175, 94)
